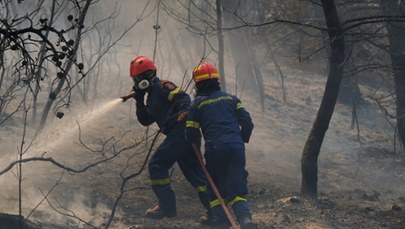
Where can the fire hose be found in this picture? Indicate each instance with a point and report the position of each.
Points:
(214, 187)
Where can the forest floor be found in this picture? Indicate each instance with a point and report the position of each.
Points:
(361, 180)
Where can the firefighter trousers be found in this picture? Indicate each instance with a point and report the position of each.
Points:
(175, 148)
(226, 164)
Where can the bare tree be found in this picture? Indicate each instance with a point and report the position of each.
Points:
(248, 73)
(337, 33)
(25, 71)
(396, 35)
(199, 19)
(29, 42)
(74, 44)
(309, 160)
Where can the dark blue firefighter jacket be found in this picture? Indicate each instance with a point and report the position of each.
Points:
(222, 119)
(164, 103)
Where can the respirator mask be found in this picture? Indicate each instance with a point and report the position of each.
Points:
(142, 82)
(142, 85)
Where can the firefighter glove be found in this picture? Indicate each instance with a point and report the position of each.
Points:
(126, 97)
(139, 96)
(181, 116)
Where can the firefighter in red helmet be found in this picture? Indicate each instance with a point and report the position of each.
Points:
(225, 126)
(166, 105)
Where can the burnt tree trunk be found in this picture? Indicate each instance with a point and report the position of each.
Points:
(396, 35)
(8, 221)
(349, 92)
(309, 160)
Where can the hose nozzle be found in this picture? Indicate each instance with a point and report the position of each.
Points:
(126, 97)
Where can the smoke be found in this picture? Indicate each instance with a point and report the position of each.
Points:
(43, 182)
(273, 154)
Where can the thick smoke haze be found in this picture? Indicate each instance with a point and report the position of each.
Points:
(97, 125)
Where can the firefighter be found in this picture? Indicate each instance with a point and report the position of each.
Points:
(166, 104)
(225, 126)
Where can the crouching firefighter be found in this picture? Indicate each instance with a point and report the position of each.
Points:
(167, 105)
(225, 126)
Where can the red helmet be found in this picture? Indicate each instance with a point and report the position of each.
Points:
(140, 65)
(205, 71)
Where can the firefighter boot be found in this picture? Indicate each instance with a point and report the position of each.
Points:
(206, 219)
(158, 213)
(204, 199)
(220, 220)
(221, 225)
(247, 223)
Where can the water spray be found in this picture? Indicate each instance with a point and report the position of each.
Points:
(68, 130)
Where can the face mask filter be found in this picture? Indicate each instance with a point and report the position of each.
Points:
(143, 84)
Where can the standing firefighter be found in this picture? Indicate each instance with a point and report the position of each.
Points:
(166, 105)
(226, 126)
